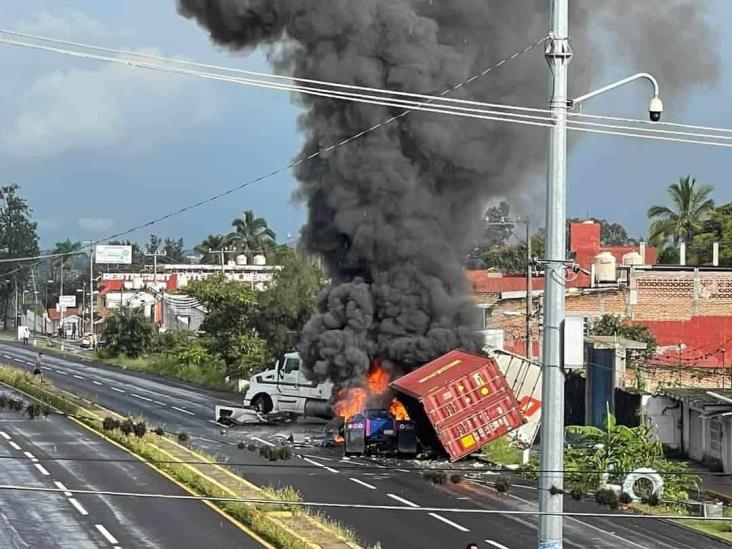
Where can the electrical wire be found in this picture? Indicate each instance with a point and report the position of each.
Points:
(275, 502)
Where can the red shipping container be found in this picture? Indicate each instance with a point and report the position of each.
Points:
(466, 399)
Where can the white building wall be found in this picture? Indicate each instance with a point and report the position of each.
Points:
(665, 415)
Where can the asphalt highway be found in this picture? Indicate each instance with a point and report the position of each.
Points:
(30, 450)
(322, 475)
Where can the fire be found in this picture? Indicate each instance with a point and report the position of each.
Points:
(398, 410)
(378, 379)
(350, 402)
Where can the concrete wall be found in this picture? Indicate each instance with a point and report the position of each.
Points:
(665, 415)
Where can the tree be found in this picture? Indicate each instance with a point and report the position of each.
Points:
(153, 244)
(718, 228)
(512, 259)
(496, 232)
(251, 234)
(211, 242)
(18, 238)
(174, 250)
(288, 303)
(128, 332)
(613, 325)
(691, 207)
(228, 328)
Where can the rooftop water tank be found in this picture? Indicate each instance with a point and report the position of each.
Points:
(605, 265)
(241, 259)
(632, 258)
(259, 260)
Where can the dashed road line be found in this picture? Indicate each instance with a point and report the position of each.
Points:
(261, 440)
(7, 356)
(183, 410)
(402, 500)
(18, 360)
(61, 372)
(320, 465)
(141, 397)
(4, 435)
(78, 507)
(79, 377)
(97, 383)
(61, 486)
(42, 469)
(362, 483)
(30, 456)
(495, 544)
(118, 390)
(158, 402)
(109, 537)
(12, 444)
(449, 522)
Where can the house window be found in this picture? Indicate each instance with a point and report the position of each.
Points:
(715, 435)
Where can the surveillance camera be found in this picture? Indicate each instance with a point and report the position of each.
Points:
(656, 109)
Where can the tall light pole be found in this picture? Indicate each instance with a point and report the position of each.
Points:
(558, 54)
(155, 256)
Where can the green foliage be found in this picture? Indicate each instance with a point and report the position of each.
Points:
(502, 451)
(211, 242)
(251, 234)
(503, 484)
(577, 492)
(625, 498)
(128, 333)
(610, 324)
(435, 477)
(691, 206)
(288, 303)
(511, 259)
(717, 228)
(607, 497)
(229, 324)
(618, 450)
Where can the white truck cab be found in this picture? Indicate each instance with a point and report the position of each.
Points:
(282, 390)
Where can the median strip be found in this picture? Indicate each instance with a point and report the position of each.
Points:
(280, 525)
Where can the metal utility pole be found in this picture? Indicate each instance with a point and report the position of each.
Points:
(155, 256)
(558, 55)
(223, 256)
(91, 295)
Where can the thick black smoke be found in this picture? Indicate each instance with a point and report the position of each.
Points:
(393, 212)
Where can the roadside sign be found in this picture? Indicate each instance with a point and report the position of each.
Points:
(108, 254)
(67, 301)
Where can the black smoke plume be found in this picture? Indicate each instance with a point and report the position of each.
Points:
(393, 212)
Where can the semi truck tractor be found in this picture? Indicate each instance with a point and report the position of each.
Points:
(282, 391)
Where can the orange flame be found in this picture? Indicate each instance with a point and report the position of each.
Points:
(398, 410)
(350, 402)
(378, 379)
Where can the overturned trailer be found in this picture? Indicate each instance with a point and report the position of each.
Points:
(459, 402)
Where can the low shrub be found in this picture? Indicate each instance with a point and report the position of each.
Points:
(607, 497)
(241, 445)
(110, 423)
(456, 478)
(127, 426)
(503, 485)
(159, 431)
(651, 500)
(15, 405)
(3, 401)
(183, 436)
(33, 410)
(140, 429)
(625, 498)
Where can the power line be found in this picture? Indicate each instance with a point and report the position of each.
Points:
(274, 502)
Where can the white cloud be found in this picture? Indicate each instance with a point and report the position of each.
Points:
(93, 106)
(95, 224)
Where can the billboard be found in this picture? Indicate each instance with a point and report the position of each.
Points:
(114, 254)
(67, 301)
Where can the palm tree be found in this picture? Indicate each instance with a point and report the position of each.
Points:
(64, 253)
(211, 242)
(251, 234)
(692, 206)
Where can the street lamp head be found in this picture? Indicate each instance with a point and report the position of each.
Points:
(655, 109)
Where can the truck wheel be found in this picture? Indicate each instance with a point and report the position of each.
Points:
(262, 404)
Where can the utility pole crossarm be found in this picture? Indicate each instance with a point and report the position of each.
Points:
(641, 75)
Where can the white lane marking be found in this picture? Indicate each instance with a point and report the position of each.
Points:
(109, 537)
(118, 390)
(261, 440)
(7, 356)
(182, 410)
(96, 382)
(14, 445)
(42, 469)
(61, 372)
(4, 435)
(29, 363)
(61, 486)
(495, 544)
(449, 522)
(79, 377)
(362, 483)
(18, 360)
(318, 457)
(78, 507)
(158, 402)
(141, 397)
(402, 500)
(30, 456)
(320, 465)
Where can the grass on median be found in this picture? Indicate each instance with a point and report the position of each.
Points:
(24, 381)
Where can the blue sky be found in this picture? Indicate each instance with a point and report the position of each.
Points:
(100, 148)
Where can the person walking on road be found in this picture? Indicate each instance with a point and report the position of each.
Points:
(26, 335)
(37, 371)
